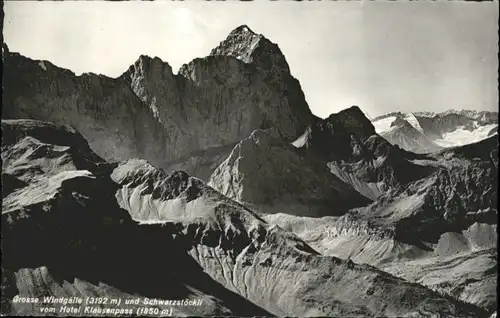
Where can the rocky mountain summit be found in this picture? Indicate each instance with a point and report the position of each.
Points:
(425, 132)
(348, 143)
(151, 113)
(218, 184)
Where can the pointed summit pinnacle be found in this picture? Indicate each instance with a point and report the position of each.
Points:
(242, 29)
(240, 43)
(250, 47)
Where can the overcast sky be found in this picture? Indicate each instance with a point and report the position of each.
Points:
(382, 56)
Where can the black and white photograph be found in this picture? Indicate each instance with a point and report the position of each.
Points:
(250, 159)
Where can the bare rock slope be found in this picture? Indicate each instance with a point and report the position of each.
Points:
(64, 234)
(439, 230)
(72, 232)
(348, 143)
(273, 176)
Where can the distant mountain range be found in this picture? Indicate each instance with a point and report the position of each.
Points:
(424, 132)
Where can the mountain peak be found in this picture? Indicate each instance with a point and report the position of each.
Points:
(146, 61)
(242, 29)
(250, 47)
(352, 119)
(240, 43)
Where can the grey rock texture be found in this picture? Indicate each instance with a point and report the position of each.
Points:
(71, 233)
(64, 234)
(241, 197)
(300, 184)
(461, 190)
(151, 113)
(443, 123)
(241, 251)
(461, 264)
(348, 143)
(469, 276)
(107, 112)
(201, 163)
(438, 230)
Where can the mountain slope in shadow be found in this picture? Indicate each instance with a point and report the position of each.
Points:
(85, 232)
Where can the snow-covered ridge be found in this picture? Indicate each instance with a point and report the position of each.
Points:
(462, 136)
(447, 129)
(384, 124)
(412, 120)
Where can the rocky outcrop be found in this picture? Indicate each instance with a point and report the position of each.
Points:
(424, 226)
(151, 113)
(71, 233)
(267, 58)
(239, 249)
(348, 143)
(107, 112)
(35, 149)
(273, 176)
(461, 191)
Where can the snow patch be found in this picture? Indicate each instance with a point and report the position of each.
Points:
(42, 65)
(301, 141)
(384, 124)
(412, 120)
(462, 136)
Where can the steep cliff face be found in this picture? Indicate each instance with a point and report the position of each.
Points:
(106, 110)
(70, 232)
(151, 113)
(256, 50)
(273, 176)
(347, 141)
